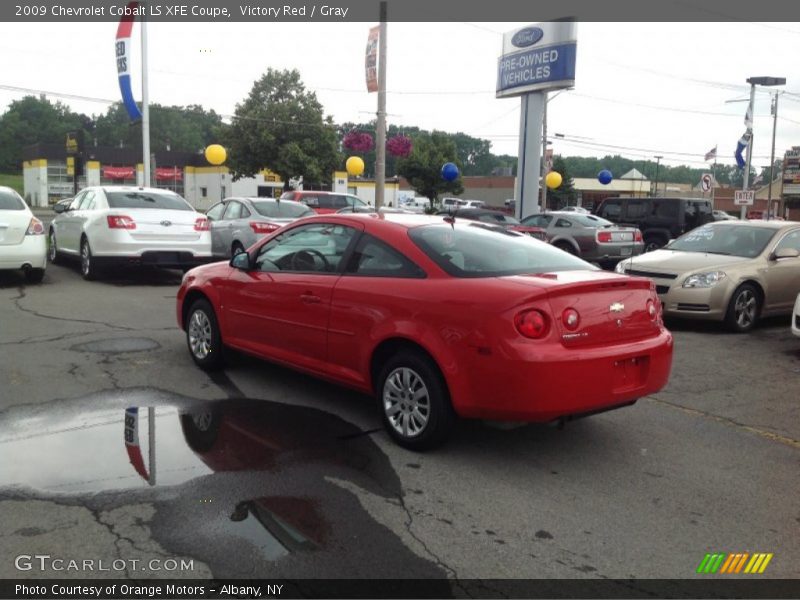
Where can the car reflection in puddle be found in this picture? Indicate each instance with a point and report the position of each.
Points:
(250, 488)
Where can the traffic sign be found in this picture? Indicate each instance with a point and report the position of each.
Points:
(744, 198)
(705, 182)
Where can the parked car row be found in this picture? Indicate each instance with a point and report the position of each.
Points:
(22, 241)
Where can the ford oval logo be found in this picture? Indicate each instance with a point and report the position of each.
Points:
(527, 37)
(166, 223)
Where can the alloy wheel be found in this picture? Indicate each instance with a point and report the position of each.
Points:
(745, 308)
(406, 402)
(200, 334)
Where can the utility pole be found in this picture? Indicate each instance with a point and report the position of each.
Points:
(145, 108)
(749, 157)
(658, 163)
(380, 134)
(772, 155)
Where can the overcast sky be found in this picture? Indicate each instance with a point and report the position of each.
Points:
(641, 89)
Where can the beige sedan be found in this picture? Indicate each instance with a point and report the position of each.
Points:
(731, 271)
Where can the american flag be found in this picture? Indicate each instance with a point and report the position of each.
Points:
(711, 153)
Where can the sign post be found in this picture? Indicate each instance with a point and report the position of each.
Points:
(535, 59)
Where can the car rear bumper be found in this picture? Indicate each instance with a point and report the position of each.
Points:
(32, 252)
(555, 383)
(157, 258)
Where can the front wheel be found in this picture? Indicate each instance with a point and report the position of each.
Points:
(415, 404)
(52, 253)
(203, 336)
(743, 309)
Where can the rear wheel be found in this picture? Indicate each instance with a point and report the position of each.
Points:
(654, 242)
(34, 275)
(89, 269)
(415, 404)
(568, 248)
(203, 336)
(743, 309)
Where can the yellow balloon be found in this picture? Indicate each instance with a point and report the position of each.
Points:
(355, 166)
(553, 179)
(215, 154)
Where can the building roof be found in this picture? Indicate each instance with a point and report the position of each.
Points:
(634, 174)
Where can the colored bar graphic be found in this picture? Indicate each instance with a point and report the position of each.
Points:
(733, 563)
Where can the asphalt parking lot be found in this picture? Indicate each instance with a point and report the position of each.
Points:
(307, 481)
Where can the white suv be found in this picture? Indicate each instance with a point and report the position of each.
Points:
(120, 225)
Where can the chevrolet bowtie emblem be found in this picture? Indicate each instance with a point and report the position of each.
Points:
(617, 307)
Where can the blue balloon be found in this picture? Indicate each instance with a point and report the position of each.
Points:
(449, 171)
(605, 177)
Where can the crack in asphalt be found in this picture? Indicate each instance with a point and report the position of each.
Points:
(22, 295)
(437, 560)
(775, 437)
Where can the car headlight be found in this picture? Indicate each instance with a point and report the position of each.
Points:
(704, 280)
(621, 266)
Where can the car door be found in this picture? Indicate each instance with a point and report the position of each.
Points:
(219, 245)
(783, 275)
(240, 226)
(280, 307)
(68, 232)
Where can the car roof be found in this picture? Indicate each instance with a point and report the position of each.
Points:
(127, 188)
(773, 224)
(319, 192)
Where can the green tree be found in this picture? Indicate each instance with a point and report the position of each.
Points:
(475, 154)
(181, 129)
(33, 120)
(565, 194)
(281, 126)
(423, 168)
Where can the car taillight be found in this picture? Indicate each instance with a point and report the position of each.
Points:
(202, 224)
(637, 236)
(120, 222)
(259, 227)
(654, 309)
(604, 237)
(35, 227)
(571, 319)
(532, 324)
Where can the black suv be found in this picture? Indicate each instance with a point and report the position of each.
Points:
(659, 219)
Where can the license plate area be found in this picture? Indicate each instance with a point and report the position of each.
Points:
(630, 373)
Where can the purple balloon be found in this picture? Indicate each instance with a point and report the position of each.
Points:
(449, 171)
(605, 177)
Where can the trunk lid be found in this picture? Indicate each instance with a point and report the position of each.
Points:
(161, 225)
(13, 225)
(612, 308)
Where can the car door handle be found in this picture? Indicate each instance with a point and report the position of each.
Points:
(310, 298)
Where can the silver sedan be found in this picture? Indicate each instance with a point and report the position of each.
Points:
(238, 223)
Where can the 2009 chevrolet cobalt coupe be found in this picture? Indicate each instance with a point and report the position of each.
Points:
(436, 317)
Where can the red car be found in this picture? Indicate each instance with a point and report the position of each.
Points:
(324, 203)
(437, 319)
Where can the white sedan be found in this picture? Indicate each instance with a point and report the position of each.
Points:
(796, 317)
(119, 225)
(22, 241)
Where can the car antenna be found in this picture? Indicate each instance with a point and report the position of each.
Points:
(451, 219)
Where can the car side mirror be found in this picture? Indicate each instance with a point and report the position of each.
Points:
(785, 253)
(59, 208)
(241, 261)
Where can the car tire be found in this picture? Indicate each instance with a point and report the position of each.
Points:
(203, 337)
(52, 252)
(236, 248)
(744, 309)
(654, 242)
(89, 269)
(34, 275)
(568, 248)
(414, 401)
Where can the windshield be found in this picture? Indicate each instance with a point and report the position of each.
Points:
(479, 251)
(10, 200)
(141, 199)
(734, 240)
(281, 210)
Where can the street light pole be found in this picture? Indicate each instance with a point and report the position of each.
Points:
(746, 180)
(658, 163)
(544, 156)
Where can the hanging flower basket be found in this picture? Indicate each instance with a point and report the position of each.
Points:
(399, 145)
(358, 141)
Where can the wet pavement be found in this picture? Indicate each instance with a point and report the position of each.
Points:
(257, 471)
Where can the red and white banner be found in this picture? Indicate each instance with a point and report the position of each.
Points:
(119, 172)
(371, 59)
(169, 174)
